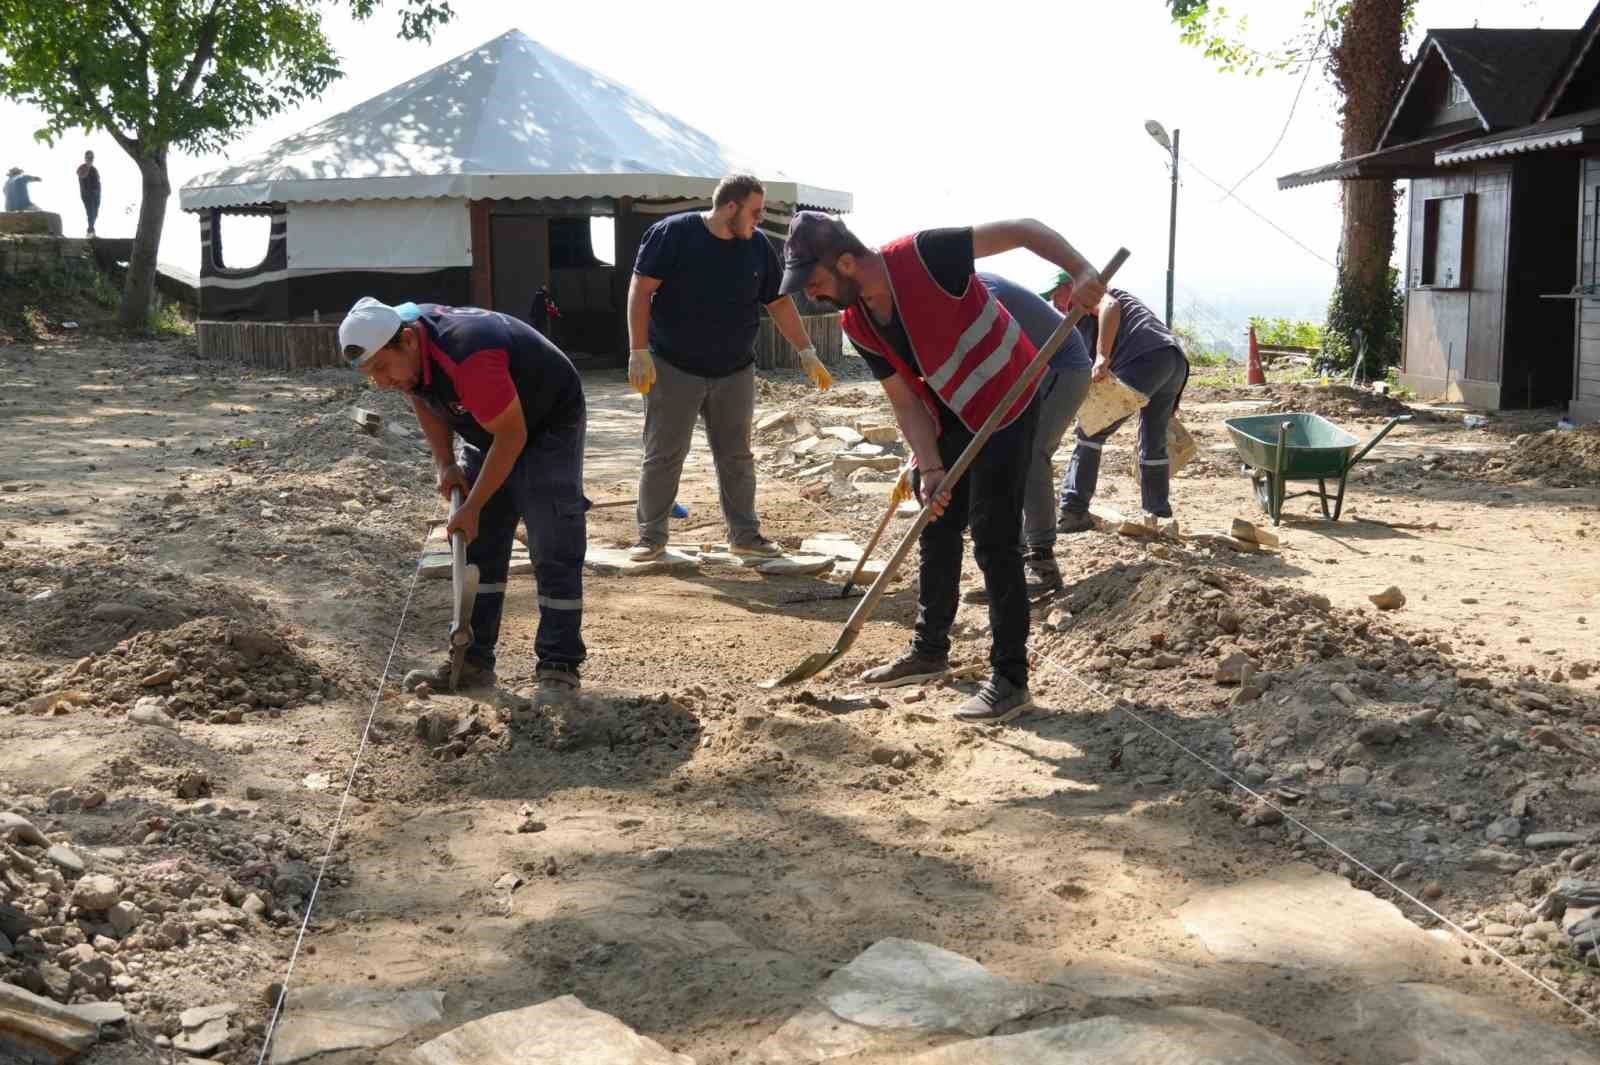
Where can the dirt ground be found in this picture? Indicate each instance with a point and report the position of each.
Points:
(693, 854)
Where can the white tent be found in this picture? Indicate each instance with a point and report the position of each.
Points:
(509, 119)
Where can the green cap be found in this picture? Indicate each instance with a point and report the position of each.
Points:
(1063, 277)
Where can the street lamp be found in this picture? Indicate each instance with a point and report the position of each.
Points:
(1158, 133)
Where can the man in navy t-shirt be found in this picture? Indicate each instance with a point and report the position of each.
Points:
(517, 403)
(694, 308)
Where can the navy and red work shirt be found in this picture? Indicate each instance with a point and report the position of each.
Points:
(475, 363)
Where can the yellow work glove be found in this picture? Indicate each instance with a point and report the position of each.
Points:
(902, 488)
(641, 369)
(815, 370)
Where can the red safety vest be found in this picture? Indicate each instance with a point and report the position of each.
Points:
(971, 351)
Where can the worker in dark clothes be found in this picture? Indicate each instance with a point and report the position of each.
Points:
(946, 351)
(694, 309)
(89, 189)
(517, 403)
(1131, 341)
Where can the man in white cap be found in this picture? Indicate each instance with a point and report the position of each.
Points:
(517, 403)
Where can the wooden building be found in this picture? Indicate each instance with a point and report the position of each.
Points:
(1490, 239)
(473, 183)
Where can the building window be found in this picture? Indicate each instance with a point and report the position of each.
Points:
(1457, 93)
(1444, 241)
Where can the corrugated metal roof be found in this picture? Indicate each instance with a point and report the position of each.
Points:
(1400, 161)
(1563, 132)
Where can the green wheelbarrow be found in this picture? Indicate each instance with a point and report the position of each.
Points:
(1279, 448)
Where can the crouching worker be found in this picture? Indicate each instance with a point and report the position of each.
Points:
(517, 403)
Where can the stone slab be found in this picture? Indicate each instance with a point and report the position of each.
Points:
(1302, 918)
(560, 1030)
(1109, 976)
(840, 547)
(203, 1039)
(899, 990)
(1422, 1024)
(21, 829)
(796, 566)
(614, 562)
(37, 1031)
(1185, 1034)
(322, 1019)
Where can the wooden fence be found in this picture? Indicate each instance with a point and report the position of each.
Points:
(271, 345)
(773, 351)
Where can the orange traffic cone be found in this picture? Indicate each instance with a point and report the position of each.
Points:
(1253, 373)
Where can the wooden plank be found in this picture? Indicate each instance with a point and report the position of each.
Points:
(1485, 262)
(482, 283)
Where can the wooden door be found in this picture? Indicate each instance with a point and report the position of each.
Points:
(520, 246)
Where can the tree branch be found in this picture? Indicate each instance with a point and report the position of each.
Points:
(204, 52)
(133, 26)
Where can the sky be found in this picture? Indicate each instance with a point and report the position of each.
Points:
(927, 118)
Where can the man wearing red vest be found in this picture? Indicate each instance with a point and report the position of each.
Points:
(946, 352)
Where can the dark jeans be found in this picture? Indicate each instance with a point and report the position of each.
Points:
(989, 498)
(1161, 376)
(545, 492)
(91, 207)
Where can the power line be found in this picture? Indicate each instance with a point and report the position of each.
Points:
(1227, 193)
(1315, 48)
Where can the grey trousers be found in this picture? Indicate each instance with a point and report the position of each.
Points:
(1060, 396)
(671, 408)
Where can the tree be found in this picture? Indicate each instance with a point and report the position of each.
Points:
(1359, 44)
(159, 74)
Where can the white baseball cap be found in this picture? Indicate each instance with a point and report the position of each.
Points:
(367, 328)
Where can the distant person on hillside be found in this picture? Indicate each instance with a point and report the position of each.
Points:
(1130, 340)
(89, 188)
(16, 189)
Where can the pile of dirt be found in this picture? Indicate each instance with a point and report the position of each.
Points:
(331, 439)
(1336, 402)
(1559, 457)
(209, 669)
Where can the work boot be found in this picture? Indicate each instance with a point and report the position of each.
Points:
(474, 674)
(909, 668)
(1074, 521)
(997, 702)
(645, 551)
(1043, 573)
(757, 546)
(559, 677)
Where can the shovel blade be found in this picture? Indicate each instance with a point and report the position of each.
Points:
(810, 667)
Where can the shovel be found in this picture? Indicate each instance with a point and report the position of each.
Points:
(897, 495)
(816, 663)
(464, 584)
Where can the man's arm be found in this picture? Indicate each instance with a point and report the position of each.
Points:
(441, 441)
(787, 316)
(1109, 317)
(918, 427)
(994, 238)
(640, 289)
(510, 431)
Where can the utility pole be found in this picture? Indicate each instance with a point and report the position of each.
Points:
(1172, 227)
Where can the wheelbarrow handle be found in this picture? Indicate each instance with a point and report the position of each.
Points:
(1396, 420)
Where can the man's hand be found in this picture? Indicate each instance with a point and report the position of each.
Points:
(815, 370)
(641, 370)
(1101, 369)
(1087, 291)
(464, 521)
(452, 476)
(930, 483)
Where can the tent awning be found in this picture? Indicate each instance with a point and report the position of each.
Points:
(1415, 159)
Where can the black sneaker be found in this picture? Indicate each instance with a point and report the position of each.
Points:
(1074, 521)
(757, 547)
(473, 675)
(909, 668)
(1044, 576)
(997, 702)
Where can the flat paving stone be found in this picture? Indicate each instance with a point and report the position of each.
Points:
(561, 1030)
(319, 1020)
(1182, 1034)
(1300, 917)
(614, 562)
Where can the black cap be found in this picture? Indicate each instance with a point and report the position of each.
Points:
(814, 238)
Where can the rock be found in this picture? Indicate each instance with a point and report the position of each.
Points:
(796, 566)
(124, 917)
(65, 859)
(832, 545)
(1428, 1025)
(1433, 890)
(1378, 734)
(1189, 1034)
(844, 434)
(36, 1030)
(1494, 860)
(1262, 814)
(96, 893)
(322, 1019)
(203, 1039)
(1354, 776)
(1578, 671)
(1391, 598)
(774, 422)
(1504, 830)
(151, 711)
(614, 562)
(1301, 918)
(1552, 840)
(847, 463)
(1533, 701)
(57, 981)
(1344, 694)
(1256, 774)
(1476, 681)
(160, 677)
(255, 907)
(884, 435)
(1231, 669)
(19, 828)
(899, 989)
(559, 1030)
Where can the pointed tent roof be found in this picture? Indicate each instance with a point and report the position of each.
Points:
(509, 118)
